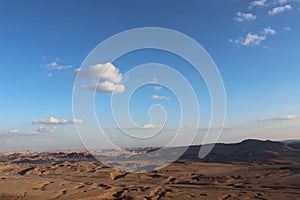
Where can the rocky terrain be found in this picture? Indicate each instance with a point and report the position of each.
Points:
(251, 169)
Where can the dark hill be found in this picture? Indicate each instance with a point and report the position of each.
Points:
(246, 151)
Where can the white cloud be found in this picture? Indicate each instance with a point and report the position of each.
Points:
(287, 28)
(56, 66)
(109, 78)
(258, 3)
(75, 121)
(17, 132)
(279, 9)
(160, 97)
(249, 40)
(50, 75)
(107, 72)
(244, 17)
(149, 126)
(54, 121)
(269, 30)
(253, 39)
(284, 117)
(282, 1)
(109, 87)
(157, 87)
(46, 129)
(13, 131)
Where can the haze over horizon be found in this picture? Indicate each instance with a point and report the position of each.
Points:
(255, 45)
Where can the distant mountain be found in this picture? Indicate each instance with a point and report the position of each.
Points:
(290, 141)
(247, 151)
(293, 143)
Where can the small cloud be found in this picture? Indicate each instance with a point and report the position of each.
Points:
(50, 75)
(253, 39)
(44, 58)
(13, 131)
(157, 87)
(282, 1)
(279, 9)
(249, 40)
(54, 121)
(160, 97)
(287, 28)
(17, 132)
(151, 126)
(240, 17)
(105, 78)
(258, 3)
(284, 117)
(46, 129)
(269, 30)
(75, 121)
(56, 66)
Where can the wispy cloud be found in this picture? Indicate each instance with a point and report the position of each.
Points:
(110, 78)
(279, 9)
(249, 40)
(151, 126)
(258, 3)
(54, 121)
(240, 17)
(17, 132)
(157, 87)
(253, 39)
(282, 1)
(269, 30)
(279, 118)
(160, 97)
(13, 131)
(56, 66)
(46, 129)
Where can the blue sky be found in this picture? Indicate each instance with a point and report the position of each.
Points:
(255, 45)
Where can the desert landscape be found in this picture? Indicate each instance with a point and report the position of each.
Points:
(251, 169)
(149, 100)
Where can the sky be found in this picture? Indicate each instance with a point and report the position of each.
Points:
(255, 45)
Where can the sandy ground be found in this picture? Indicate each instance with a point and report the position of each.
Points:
(33, 177)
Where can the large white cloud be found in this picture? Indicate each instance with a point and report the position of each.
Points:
(109, 87)
(279, 9)
(105, 78)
